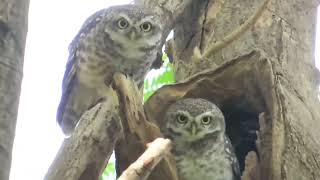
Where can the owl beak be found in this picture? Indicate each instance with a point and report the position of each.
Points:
(193, 129)
(133, 34)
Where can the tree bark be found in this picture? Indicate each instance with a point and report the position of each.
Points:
(267, 78)
(287, 39)
(84, 155)
(13, 30)
(137, 131)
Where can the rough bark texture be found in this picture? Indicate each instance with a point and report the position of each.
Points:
(268, 73)
(84, 155)
(13, 30)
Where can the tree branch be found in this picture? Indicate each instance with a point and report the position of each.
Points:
(138, 131)
(235, 34)
(85, 154)
(142, 167)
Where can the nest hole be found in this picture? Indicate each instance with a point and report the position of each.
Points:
(242, 123)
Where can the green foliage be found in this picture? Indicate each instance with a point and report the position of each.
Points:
(154, 80)
(157, 78)
(110, 171)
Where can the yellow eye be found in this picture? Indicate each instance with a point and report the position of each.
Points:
(122, 23)
(146, 26)
(182, 119)
(206, 120)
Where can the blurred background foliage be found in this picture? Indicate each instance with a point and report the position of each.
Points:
(158, 77)
(154, 80)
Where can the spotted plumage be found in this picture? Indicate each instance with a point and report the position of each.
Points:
(117, 39)
(201, 148)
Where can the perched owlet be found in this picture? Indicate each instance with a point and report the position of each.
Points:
(122, 39)
(201, 148)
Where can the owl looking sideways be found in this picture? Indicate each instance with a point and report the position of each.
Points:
(122, 39)
(201, 148)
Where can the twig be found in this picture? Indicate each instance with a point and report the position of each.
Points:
(234, 35)
(142, 167)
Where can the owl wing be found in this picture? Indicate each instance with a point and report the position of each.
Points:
(157, 63)
(69, 77)
(67, 85)
(233, 159)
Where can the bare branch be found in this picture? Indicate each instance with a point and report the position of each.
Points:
(142, 167)
(138, 131)
(85, 154)
(234, 35)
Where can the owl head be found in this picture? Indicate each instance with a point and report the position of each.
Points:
(132, 25)
(190, 120)
(131, 28)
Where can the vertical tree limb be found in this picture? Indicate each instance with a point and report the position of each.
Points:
(137, 131)
(13, 31)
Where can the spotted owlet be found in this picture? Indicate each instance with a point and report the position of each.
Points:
(202, 149)
(122, 39)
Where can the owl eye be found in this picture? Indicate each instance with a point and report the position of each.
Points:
(122, 23)
(182, 119)
(146, 26)
(206, 120)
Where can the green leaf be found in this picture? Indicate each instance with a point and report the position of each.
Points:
(109, 171)
(157, 78)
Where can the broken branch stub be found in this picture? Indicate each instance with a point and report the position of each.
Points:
(86, 152)
(137, 131)
(143, 166)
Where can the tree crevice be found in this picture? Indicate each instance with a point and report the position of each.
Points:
(203, 26)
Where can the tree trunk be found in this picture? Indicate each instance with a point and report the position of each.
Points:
(286, 33)
(264, 81)
(13, 30)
